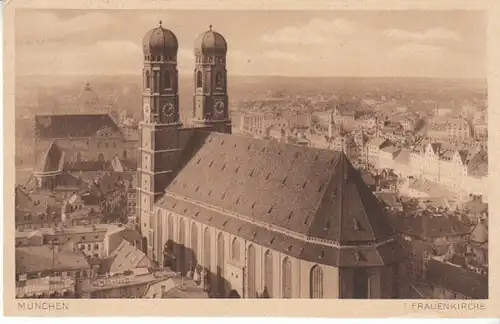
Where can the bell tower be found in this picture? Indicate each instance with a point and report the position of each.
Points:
(210, 102)
(158, 129)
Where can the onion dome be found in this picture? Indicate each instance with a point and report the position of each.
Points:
(159, 41)
(210, 43)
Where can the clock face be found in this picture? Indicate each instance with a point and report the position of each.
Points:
(219, 108)
(168, 109)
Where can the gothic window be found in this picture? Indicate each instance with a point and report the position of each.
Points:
(218, 80)
(235, 249)
(100, 157)
(220, 265)
(199, 79)
(316, 282)
(159, 229)
(194, 245)
(287, 278)
(170, 232)
(147, 82)
(251, 272)
(167, 82)
(206, 248)
(268, 272)
(182, 248)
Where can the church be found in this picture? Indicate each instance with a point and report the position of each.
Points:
(262, 219)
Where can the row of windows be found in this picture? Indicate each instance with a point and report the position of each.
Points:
(166, 81)
(159, 58)
(316, 274)
(219, 80)
(89, 247)
(106, 145)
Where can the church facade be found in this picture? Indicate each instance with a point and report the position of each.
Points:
(260, 218)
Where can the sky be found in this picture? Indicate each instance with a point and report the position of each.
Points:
(444, 44)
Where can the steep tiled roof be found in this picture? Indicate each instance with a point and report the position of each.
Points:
(62, 126)
(312, 192)
(307, 190)
(457, 279)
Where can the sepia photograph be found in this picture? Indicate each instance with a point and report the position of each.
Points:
(250, 154)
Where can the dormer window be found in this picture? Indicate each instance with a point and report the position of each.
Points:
(357, 225)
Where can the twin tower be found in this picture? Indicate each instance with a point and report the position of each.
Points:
(160, 95)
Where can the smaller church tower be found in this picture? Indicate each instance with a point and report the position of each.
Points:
(210, 104)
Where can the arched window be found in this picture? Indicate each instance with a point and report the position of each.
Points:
(194, 245)
(79, 157)
(159, 229)
(147, 81)
(100, 157)
(220, 265)
(170, 232)
(124, 154)
(251, 272)
(182, 248)
(206, 249)
(287, 278)
(316, 282)
(218, 80)
(199, 79)
(235, 249)
(268, 272)
(167, 82)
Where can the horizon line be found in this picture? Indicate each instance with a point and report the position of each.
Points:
(266, 75)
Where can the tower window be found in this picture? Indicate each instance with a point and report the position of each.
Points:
(218, 80)
(147, 81)
(167, 81)
(199, 79)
